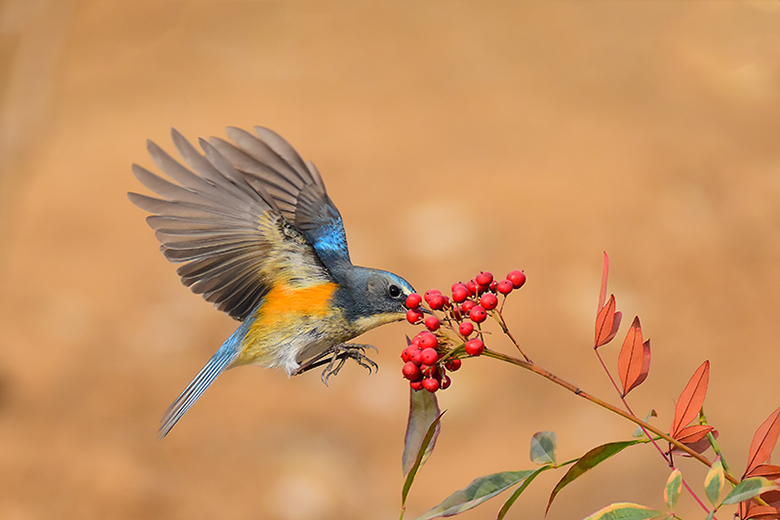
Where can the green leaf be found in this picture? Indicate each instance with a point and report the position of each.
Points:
(423, 410)
(589, 461)
(543, 447)
(673, 488)
(714, 481)
(420, 456)
(478, 491)
(517, 492)
(749, 488)
(624, 511)
(711, 515)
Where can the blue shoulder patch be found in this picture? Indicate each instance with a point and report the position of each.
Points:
(330, 242)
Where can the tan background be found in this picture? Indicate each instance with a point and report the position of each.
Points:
(454, 136)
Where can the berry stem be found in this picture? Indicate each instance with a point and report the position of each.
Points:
(500, 319)
(595, 400)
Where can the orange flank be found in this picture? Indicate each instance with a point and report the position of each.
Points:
(283, 300)
(286, 316)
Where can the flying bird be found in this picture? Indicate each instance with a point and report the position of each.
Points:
(257, 235)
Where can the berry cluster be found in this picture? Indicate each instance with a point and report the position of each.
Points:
(433, 352)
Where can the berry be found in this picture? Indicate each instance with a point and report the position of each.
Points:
(416, 385)
(429, 370)
(459, 293)
(430, 294)
(445, 382)
(436, 301)
(453, 364)
(456, 313)
(471, 286)
(416, 357)
(477, 314)
(413, 316)
(505, 287)
(465, 329)
(517, 278)
(432, 322)
(467, 306)
(411, 371)
(488, 301)
(447, 303)
(413, 301)
(484, 278)
(407, 353)
(430, 384)
(474, 347)
(429, 356)
(493, 285)
(428, 340)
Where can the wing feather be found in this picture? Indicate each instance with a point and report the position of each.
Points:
(226, 217)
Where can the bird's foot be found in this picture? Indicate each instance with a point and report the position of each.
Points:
(336, 356)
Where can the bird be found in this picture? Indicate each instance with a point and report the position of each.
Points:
(258, 236)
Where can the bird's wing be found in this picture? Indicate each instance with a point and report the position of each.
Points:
(232, 229)
(296, 186)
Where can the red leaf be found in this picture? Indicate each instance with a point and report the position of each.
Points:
(757, 512)
(607, 323)
(604, 275)
(691, 398)
(764, 470)
(634, 359)
(764, 440)
(699, 446)
(692, 434)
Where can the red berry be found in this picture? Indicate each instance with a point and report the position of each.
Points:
(517, 278)
(416, 385)
(484, 278)
(465, 329)
(504, 287)
(429, 370)
(430, 294)
(445, 382)
(467, 306)
(477, 314)
(453, 364)
(429, 356)
(413, 316)
(493, 285)
(428, 340)
(432, 322)
(474, 347)
(472, 287)
(430, 384)
(488, 301)
(456, 313)
(411, 371)
(413, 301)
(446, 302)
(406, 355)
(436, 301)
(459, 293)
(416, 357)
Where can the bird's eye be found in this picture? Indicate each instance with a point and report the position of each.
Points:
(394, 291)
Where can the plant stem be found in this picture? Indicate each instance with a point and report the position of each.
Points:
(595, 400)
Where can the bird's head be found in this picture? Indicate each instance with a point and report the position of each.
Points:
(373, 297)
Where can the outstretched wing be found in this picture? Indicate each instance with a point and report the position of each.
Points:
(296, 187)
(234, 229)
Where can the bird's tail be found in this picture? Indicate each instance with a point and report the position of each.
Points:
(218, 363)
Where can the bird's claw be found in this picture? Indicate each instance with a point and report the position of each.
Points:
(336, 356)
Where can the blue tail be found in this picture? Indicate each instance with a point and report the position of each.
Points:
(218, 363)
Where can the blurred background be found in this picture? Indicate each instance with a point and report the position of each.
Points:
(455, 137)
